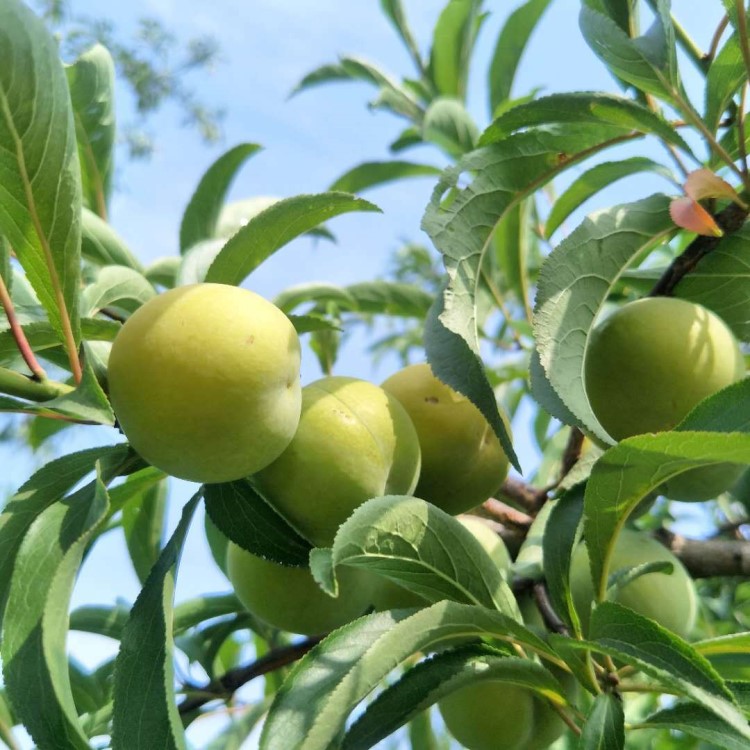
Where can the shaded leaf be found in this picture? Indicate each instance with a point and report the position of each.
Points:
(116, 285)
(394, 10)
(103, 620)
(374, 173)
(448, 125)
(723, 81)
(145, 713)
(100, 243)
(605, 724)
(143, 526)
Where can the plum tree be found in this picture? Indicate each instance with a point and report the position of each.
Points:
(354, 442)
(289, 598)
(649, 363)
(493, 715)
(462, 461)
(204, 380)
(389, 595)
(670, 599)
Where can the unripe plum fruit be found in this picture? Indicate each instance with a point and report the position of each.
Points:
(289, 598)
(493, 715)
(463, 463)
(204, 380)
(354, 442)
(388, 594)
(649, 364)
(671, 600)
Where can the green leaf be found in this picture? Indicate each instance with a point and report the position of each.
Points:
(374, 173)
(103, 620)
(40, 194)
(448, 125)
(193, 612)
(725, 76)
(561, 534)
(46, 486)
(509, 47)
(433, 679)
(583, 107)
(596, 179)
(35, 664)
(729, 654)
(546, 396)
(394, 10)
(605, 724)
(649, 62)
(143, 526)
(312, 323)
(202, 212)
(145, 714)
(116, 285)
(100, 244)
(423, 549)
(91, 79)
(275, 227)
(323, 688)
(89, 694)
(625, 474)
(387, 297)
(659, 653)
(162, 272)
(241, 724)
(625, 576)
(243, 515)
(509, 258)
(452, 44)
(718, 280)
(698, 722)
(574, 283)
(197, 260)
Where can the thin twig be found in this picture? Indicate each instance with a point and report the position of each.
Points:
(506, 515)
(21, 341)
(551, 619)
(716, 40)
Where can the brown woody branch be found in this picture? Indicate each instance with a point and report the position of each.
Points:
(524, 495)
(705, 558)
(729, 219)
(225, 686)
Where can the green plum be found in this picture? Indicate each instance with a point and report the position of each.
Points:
(649, 364)
(671, 600)
(204, 380)
(463, 463)
(289, 598)
(354, 442)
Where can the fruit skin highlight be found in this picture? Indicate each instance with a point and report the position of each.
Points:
(649, 363)
(671, 600)
(289, 598)
(354, 442)
(204, 380)
(463, 463)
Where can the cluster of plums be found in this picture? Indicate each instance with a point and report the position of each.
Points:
(205, 383)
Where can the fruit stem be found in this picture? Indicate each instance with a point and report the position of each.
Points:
(15, 327)
(16, 384)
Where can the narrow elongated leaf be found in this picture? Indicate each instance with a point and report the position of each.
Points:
(241, 724)
(661, 654)
(45, 487)
(462, 230)
(323, 688)
(452, 44)
(244, 516)
(374, 173)
(101, 245)
(116, 285)
(724, 78)
(441, 675)
(697, 721)
(648, 62)
(509, 47)
(718, 279)
(145, 712)
(394, 10)
(193, 612)
(423, 549)
(275, 227)
(35, 664)
(91, 79)
(574, 283)
(596, 179)
(389, 297)
(143, 526)
(102, 620)
(580, 107)
(202, 212)
(448, 125)
(605, 724)
(40, 193)
(561, 533)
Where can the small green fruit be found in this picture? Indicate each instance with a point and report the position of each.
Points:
(290, 599)
(463, 463)
(204, 380)
(354, 442)
(671, 600)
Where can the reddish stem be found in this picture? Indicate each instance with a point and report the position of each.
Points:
(18, 334)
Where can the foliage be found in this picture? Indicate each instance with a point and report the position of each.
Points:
(504, 315)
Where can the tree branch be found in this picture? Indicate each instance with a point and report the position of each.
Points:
(226, 685)
(518, 492)
(705, 558)
(730, 220)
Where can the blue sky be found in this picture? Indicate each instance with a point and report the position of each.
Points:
(266, 47)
